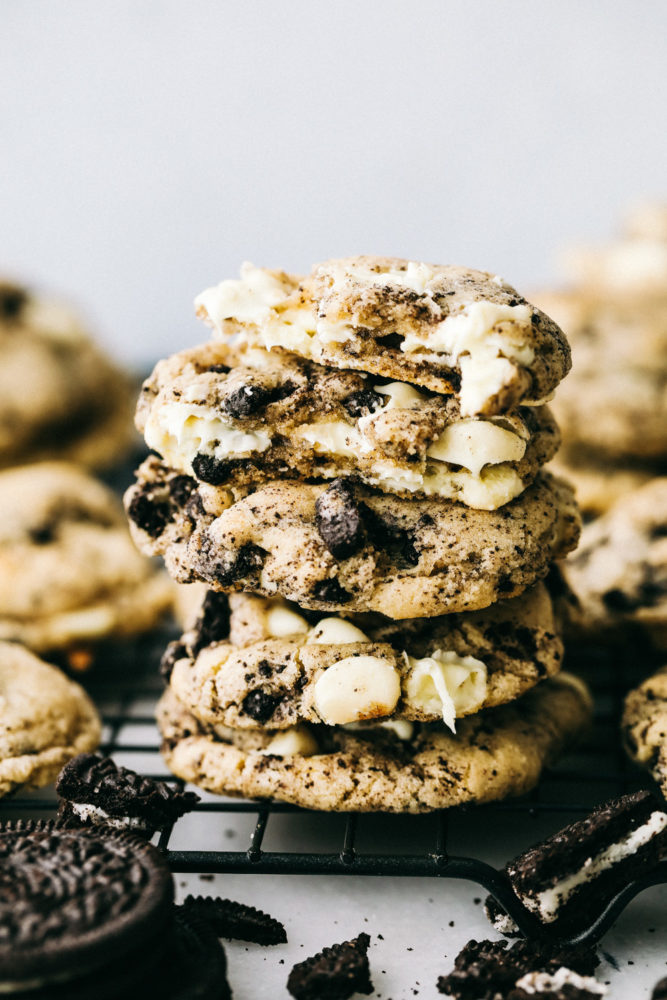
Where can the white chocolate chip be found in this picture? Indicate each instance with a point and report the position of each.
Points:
(280, 621)
(356, 688)
(476, 443)
(446, 684)
(335, 630)
(297, 740)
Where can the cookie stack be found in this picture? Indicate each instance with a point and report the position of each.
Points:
(355, 459)
(613, 411)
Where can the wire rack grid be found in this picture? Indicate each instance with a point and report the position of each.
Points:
(125, 685)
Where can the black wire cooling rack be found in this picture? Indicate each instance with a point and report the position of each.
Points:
(125, 685)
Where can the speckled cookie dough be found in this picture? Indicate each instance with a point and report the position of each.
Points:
(60, 396)
(69, 572)
(228, 418)
(497, 753)
(644, 726)
(45, 719)
(262, 661)
(345, 547)
(449, 329)
(619, 573)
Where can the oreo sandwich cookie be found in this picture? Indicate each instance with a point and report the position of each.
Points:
(236, 921)
(568, 879)
(94, 790)
(82, 913)
(487, 970)
(335, 973)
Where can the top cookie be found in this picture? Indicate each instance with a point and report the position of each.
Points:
(235, 418)
(60, 396)
(450, 329)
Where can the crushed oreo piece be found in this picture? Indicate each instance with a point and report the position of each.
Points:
(151, 514)
(387, 535)
(260, 705)
(96, 791)
(250, 399)
(363, 402)
(213, 621)
(338, 519)
(335, 973)
(247, 560)
(484, 970)
(236, 921)
(181, 489)
(214, 471)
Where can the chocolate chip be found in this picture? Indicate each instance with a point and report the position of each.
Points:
(362, 402)
(250, 399)
(338, 519)
(12, 300)
(331, 592)
(149, 513)
(211, 470)
(260, 705)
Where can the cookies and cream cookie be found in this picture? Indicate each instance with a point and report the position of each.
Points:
(232, 418)
(69, 571)
(619, 572)
(494, 754)
(45, 720)
(449, 329)
(644, 726)
(343, 546)
(267, 663)
(60, 396)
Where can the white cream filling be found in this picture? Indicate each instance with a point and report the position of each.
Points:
(545, 982)
(447, 684)
(84, 810)
(548, 902)
(179, 431)
(357, 688)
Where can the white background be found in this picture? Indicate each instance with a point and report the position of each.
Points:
(147, 148)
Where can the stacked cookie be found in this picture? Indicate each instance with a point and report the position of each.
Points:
(356, 458)
(613, 411)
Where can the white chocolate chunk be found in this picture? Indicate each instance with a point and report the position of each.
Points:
(446, 684)
(180, 431)
(476, 443)
(297, 740)
(357, 688)
(333, 437)
(335, 630)
(248, 299)
(401, 395)
(280, 621)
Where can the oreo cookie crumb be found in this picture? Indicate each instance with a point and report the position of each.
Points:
(331, 592)
(150, 514)
(213, 622)
(335, 973)
(211, 470)
(260, 705)
(363, 402)
(13, 299)
(250, 399)
(236, 921)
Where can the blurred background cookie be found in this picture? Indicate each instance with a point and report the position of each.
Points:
(60, 395)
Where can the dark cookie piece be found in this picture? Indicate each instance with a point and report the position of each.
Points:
(331, 590)
(196, 965)
(634, 825)
(388, 536)
(244, 562)
(363, 402)
(213, 622)
(338, 519)
(75, 900)
(13, 298)
(335, 973)
(211, 470)
(484, 970)
(236, 921)
(660, 990)
(95, 791)
(150, 513)
(250, 399)
(260, 705)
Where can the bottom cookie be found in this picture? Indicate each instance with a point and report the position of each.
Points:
(494, 754)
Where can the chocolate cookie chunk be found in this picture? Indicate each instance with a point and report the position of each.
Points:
(236, 921)
(335, 973)
(94, 790)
